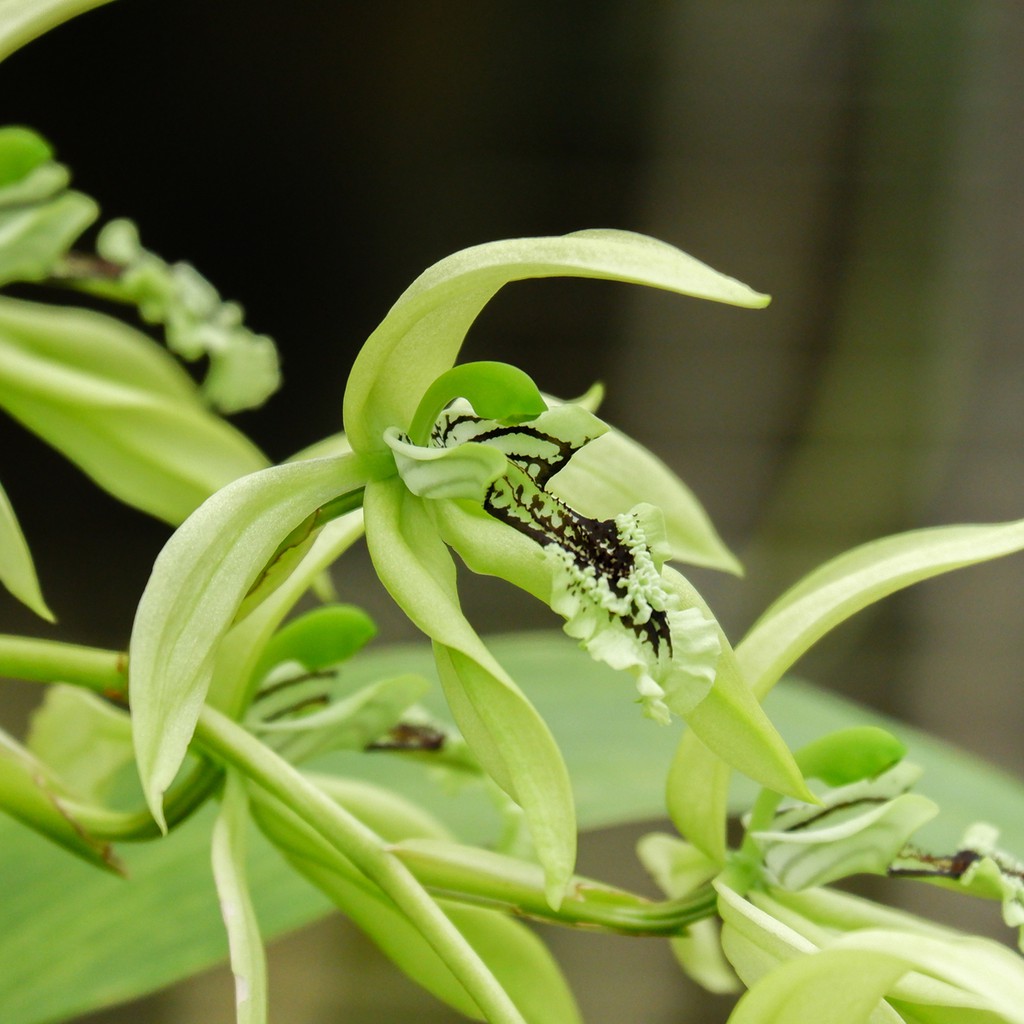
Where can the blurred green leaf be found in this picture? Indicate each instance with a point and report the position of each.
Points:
(35, 237)
(73, 939)
(83, 738)
(39, 220)
(117, 405)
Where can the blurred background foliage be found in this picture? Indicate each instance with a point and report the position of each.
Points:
(862, 161)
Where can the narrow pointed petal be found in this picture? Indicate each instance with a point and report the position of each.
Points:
(248, 960)
(503, 729)
(17, 571)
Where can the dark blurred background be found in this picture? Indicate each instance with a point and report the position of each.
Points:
(862, 161)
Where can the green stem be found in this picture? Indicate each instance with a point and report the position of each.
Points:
(105, 673)
(470, 875)
(46, 661)
(227, 741)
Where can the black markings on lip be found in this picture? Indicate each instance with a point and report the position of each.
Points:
(520, 501)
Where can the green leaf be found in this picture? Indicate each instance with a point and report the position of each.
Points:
(21, 21)
(198, 583)
(822, 600)
(117, 405)
(228, 850)
(421, 336)
(17, 572)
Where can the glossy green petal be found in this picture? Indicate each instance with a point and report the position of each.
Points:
(17, 571)
(198, 583)
(421, 336)
(503, 729)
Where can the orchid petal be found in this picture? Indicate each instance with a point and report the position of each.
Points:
(822, 600)
(503, 729)
(831, 987)
(248, 960)
(198, 583)
(423, 332)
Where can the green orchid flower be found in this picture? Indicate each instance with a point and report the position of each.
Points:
(466, 458)
(828, 956)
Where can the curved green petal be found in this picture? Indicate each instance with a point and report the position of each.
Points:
(421, 335)
(843, 586)
(463, 472)
(831, 987)
(822, 600)
(21, 21)
(198, 583)
(17, 572)
(986, 970)
(503, 729)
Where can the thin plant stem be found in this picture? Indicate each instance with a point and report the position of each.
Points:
(46, 661)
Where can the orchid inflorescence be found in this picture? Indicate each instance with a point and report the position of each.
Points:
(226, 691)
